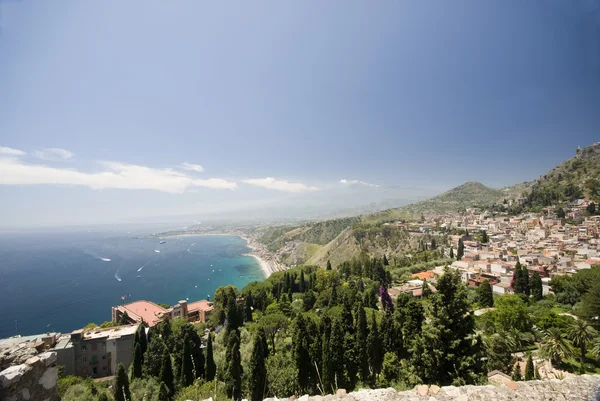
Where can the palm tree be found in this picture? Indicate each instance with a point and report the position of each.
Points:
(555, 346)
(582, 333)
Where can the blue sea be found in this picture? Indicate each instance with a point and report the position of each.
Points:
(62, 281)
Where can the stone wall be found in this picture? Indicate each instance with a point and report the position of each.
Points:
(33, 380)
(576, 388)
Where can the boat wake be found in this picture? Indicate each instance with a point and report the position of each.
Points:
(117, 277)
(105, 259)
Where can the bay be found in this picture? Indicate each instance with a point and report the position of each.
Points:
(62, 281)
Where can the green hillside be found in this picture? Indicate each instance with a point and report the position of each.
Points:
(578, 177)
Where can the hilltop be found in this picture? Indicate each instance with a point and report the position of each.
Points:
(340, 239)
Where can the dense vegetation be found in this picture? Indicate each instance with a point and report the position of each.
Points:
(313, 330)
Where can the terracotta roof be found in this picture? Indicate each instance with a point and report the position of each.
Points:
(143, 309)
(200, 305)
(424, 275)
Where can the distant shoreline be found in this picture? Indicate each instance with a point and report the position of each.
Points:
(257, 252)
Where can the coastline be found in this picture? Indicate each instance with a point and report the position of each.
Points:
(265, 259)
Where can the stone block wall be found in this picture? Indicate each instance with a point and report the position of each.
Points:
(33, 380)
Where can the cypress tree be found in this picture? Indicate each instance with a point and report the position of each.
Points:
(301, 285)
(361, 343)
(327, 373)
(525, 280)
(163, 392)
(486, 296)
(248, 304)
(461, 250)
(451, 253)
(536, 286)
(137, 361)
(143, 340)
(328, 265)
(516, 374)
(374, 347)
(166, 373)
(385, 260)
(301, 353)
(232, 313)
(337, 354)
(484, 237)
(233, 375)
(211, 368)
(333, 297)
(258, 372)
(529, 369)
(187, 369)
(517, 282)
(121, 386)
(433, 243)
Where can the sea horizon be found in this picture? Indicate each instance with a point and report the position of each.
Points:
(61, 282)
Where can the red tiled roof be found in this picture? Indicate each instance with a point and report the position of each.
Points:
(143, 309)
(424, 275)
(200, 305)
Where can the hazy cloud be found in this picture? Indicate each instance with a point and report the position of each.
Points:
(357, 182)
(280, 185)
(53, 154)
(10, 151)
(192, 167)
(115, 175)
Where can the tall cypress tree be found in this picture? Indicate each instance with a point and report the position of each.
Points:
(486, 296)
(361, 343)
(211, 368)
(337, 354)
(536, 286)
(232, 313)
(143, 340)
(166, 373)
(137, 361)
(163, 392)
(187, 369)
(301, 284)
(301, 353)
(516, 374)
(529, 369)
(327, 370)
(461, 250)
(257, 380)
(385, 260)
(374, 347)
(233, 383)
(121, 385)
(328, 265)
(451, 253)
(248, 304)
(525, 280)
(484, 237)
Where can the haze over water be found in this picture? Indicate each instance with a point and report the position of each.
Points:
(61, 282)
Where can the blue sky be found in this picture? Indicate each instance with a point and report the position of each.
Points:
(415, 94)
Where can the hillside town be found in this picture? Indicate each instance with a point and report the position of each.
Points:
(557, 241)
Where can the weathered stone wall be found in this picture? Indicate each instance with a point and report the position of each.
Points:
(33, 380)
(576, 388)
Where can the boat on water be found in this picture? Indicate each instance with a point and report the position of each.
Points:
(163, 242)
(157, 251)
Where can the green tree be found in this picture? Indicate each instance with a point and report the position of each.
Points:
(498, 349)
(581, 333)
(390, 368)
(300, 347)
(449, 351)
(166, 373)
(385, 260)
(121, 385)
(143, 339)
(302, 283)
(361, 342)
(560, 213)
(484, 237)
(516, 375)
(211, 368)
(374, 347)
(461, 250)
(258, 371)
(590, 302)
(328, 265)
(511, 313)
(486, 296)
(555, 346)
(529, 369)
(535, 285)
(248, 304)
(451, 253)
(137, 361)
(153, 357)
(591, 209)
(187, 366)
(233, 374)
(163, 392)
